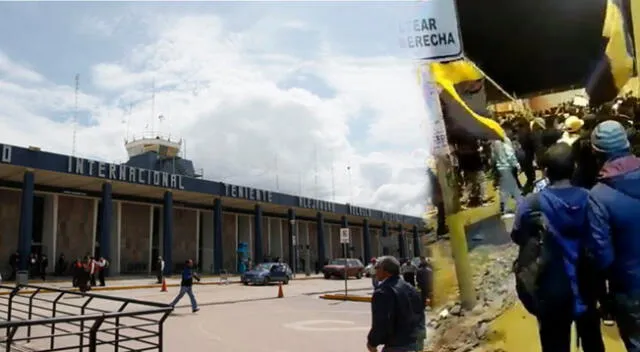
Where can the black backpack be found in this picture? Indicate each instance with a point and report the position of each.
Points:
(531, 261)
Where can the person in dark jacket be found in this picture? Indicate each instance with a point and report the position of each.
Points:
(424, 281)
(186, 286)
(397, 313)
(587, 168)
(613, 214)
(562, 297)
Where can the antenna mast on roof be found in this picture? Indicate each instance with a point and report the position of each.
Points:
(316, 176)
(75, 116)
(153, 105)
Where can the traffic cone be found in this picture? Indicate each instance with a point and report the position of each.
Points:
(164, 286)
(280, 293)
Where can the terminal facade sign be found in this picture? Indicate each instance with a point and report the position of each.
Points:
(431, 32)
(316, 204)
(5, 154)
(125, 173)
(247, 193)
(358, 211)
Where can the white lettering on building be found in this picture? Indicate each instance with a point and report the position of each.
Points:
(120, 172)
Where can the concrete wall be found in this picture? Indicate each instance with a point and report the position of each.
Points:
(76, 226)
(9, 227)
(328, 242)
(49, 227)
(206, 262)
(245, 231)
(229, 242)
(135, 236)
(185, 240)
(313, 242)
(335, 241)
(356, 242)
(276, 238)
(285, 239)
(376, 248)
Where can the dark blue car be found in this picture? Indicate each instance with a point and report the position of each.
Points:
(266, 273)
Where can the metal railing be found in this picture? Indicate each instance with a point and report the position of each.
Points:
(41, 318)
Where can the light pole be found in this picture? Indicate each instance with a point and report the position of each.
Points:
(295, 246)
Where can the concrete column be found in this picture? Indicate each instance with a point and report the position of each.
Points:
(366, 240)
(322, 249)
(402, 247)
(105, 222)
(151, 258)
(416, 242)
(385, 234)
(257, 235)
(50, 227)
(291, 216)
(217, 237)
(167, 232)
(25, 230)
(94, 233)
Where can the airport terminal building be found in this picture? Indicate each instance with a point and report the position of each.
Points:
(156, 205)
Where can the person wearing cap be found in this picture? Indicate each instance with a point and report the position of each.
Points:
(572, 128)
(614, 210)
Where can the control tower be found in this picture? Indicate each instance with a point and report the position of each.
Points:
(159, 152)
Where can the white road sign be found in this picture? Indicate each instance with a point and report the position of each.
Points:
(345, 235)
(437, 128)
(431, 32)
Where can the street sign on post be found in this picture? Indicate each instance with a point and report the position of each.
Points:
(345, 239)
(345, 236)
(432, 32)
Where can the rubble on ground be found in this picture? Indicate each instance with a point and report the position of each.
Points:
(452, 329)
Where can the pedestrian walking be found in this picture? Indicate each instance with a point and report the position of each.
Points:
(186, 286)
(613, 215)
(424, 281)
(554, 279)
(505, 162)
(160, 269)
(43, 266)
(14, 262)
(102, 266)
(408, 271)
(93, 269)
(397, 313)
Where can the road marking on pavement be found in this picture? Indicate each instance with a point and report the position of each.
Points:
(333, 325)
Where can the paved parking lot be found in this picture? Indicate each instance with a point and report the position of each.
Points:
(250, 318)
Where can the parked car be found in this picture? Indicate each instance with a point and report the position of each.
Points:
(336, 268)
(266, 273)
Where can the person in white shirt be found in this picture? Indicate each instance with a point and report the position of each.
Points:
(160, 268)
(102, 265)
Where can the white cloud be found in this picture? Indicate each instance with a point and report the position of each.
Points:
(13, 71)
(222, 96)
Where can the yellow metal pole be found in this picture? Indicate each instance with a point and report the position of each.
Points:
(635, 19)
(447, 178)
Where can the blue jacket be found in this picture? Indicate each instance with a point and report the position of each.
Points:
(614, 212)
(397, 314)
(565, 213)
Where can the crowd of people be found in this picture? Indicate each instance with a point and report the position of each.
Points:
(577, 229)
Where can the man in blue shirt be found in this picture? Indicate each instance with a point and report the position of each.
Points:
(186, 286)
(614, 214)
(560, 296)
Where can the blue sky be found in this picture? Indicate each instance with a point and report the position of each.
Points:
(263, 80)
